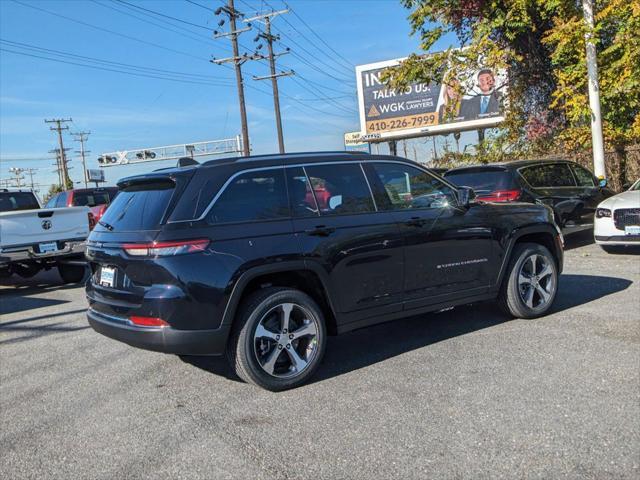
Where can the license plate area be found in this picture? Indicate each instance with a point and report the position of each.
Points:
(47, 247)
(632, 230)
(107, 276)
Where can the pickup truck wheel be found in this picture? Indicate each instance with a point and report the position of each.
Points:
(26, 270)
(278, 339)
(71, 273)
(531, 282)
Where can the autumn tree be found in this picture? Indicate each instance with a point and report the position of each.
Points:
(542, 44)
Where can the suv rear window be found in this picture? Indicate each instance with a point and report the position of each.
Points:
(482, 181)
(139, 206)
(91, 199)
(10, 201)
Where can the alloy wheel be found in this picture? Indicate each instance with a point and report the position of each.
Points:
(536, 281)
(286, 340)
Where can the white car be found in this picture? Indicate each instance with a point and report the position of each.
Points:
(617, 221)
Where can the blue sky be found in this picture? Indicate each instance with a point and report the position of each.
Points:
(124, 111)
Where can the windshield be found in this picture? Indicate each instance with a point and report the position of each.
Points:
(139, 207)
(482, 181)
(11, 201)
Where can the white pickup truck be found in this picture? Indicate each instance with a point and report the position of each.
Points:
(33, 239)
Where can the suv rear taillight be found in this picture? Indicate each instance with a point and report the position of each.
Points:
(501, 196)
(165, 249)
(92, 220)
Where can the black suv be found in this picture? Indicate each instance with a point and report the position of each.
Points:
(570, 189)
(261, 258)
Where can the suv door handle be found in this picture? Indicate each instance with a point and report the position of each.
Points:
(415, 222)
(320, 231)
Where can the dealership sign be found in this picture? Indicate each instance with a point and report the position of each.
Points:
(423, 109)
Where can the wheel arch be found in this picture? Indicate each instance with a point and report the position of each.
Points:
(304, 276)
(543, 234)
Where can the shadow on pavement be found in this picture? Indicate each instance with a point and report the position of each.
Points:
(41, 317)
(361, 348)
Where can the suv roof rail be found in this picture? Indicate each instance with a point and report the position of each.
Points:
(286, 155)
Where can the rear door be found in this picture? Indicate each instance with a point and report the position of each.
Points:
(340, 229)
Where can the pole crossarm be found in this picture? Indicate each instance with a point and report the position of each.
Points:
(281, 74)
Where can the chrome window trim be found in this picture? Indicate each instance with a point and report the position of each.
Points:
(313, 193)
(303, 165)
(373, 197)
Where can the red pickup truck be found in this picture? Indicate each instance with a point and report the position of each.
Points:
(97, 199)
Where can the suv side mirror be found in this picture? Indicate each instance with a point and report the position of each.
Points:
(466, 195)
(602, 182)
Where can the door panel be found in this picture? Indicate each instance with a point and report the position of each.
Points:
(361, 252)
(448, 249)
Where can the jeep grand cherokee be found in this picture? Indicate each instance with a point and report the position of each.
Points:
(262, 258)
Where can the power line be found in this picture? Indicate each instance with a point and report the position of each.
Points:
(153, 12)
(102, 29)
(350, 66)
(144, 69)
(164, 24)
(95, 67)
(82, 137)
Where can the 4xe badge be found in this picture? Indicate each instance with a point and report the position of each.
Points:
(46, 224)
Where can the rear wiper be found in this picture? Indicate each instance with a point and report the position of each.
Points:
(105, 225)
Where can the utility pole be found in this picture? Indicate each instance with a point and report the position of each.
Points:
(230, 11)
(17, 172)
(82, 137)
(594, 93)
(270, 38)
(30, 171)
(63, 158)
(58, 164)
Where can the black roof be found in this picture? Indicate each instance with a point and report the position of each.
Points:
(513, 165)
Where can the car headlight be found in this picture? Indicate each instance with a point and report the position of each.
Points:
(603, 212)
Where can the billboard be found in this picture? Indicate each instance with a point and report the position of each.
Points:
(423, 109)
(353, 142)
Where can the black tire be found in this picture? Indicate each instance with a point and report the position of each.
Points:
(614, 249)
(71, 273)
(514, 295)
(242, 351)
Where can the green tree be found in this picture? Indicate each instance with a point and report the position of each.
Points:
(52, 191)
(542, 44)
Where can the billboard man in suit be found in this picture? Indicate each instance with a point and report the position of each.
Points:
(487, 103)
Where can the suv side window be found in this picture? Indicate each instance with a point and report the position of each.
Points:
(409, 187)
(251, 196)
(340, 189)
(583, 176)
(548, 175)
(51, 203)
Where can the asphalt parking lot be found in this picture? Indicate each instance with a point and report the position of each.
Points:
(466, 393)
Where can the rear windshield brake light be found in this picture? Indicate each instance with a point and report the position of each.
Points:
(500, 196)
(163, 249)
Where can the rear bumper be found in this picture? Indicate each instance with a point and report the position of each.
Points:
(165, 339)
(22, 253)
